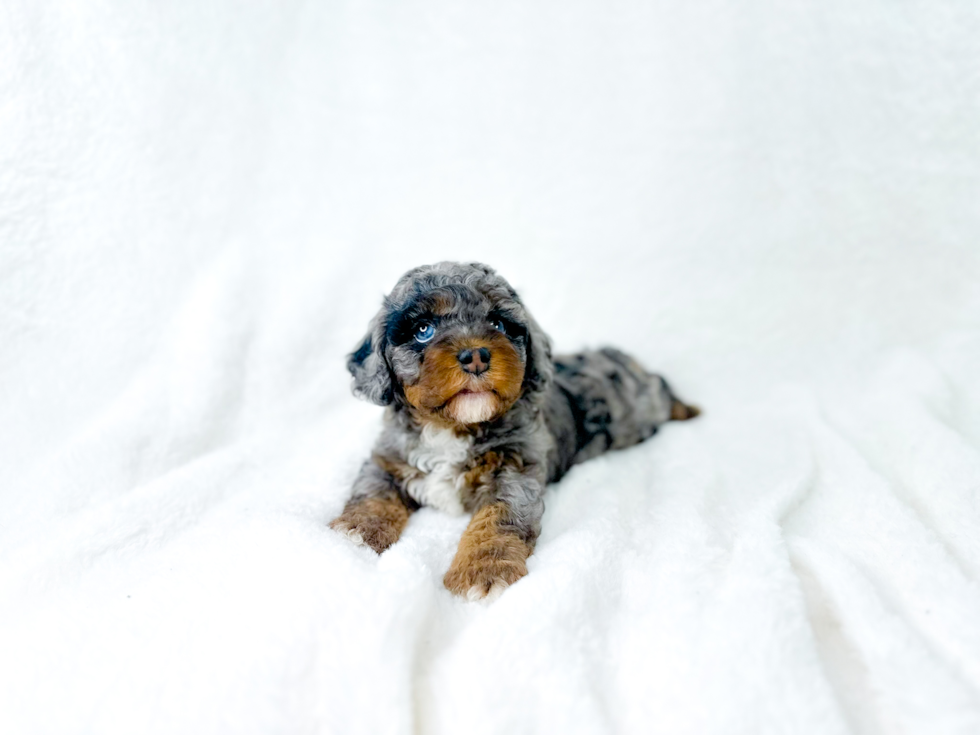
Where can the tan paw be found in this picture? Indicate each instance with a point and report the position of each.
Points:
(374, 522)
(482, 574)
(490, 558)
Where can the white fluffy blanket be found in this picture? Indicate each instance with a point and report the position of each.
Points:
(201, 206)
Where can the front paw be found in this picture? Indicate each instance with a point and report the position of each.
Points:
(484, 569)
(374, 522)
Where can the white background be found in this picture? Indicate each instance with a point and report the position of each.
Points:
(777, 205)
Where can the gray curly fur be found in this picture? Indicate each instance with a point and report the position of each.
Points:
(571, 408)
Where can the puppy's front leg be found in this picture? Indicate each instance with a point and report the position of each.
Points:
(378, 512)
(494, 548)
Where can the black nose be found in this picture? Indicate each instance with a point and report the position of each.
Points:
(475, 361)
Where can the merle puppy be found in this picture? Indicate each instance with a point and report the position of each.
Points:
(480, 417)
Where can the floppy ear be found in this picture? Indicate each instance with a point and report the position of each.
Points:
(540, 369)
(372, 376)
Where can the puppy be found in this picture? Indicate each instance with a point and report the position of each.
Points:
(480, 417)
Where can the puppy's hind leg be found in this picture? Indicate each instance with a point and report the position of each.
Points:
(680, 411)
(651, 393)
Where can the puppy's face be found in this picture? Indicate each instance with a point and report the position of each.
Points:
(453, 342)
(458, 355)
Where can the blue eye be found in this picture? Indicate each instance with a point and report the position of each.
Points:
(424, 332)
(498, 325)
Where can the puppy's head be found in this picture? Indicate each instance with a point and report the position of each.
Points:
(455, 344)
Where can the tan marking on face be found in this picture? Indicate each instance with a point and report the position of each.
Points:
(489, 558)
(441, 377)
(376, 522)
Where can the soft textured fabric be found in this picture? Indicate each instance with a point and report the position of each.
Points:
(774, 205)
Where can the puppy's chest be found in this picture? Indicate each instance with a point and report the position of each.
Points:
(439, 460)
